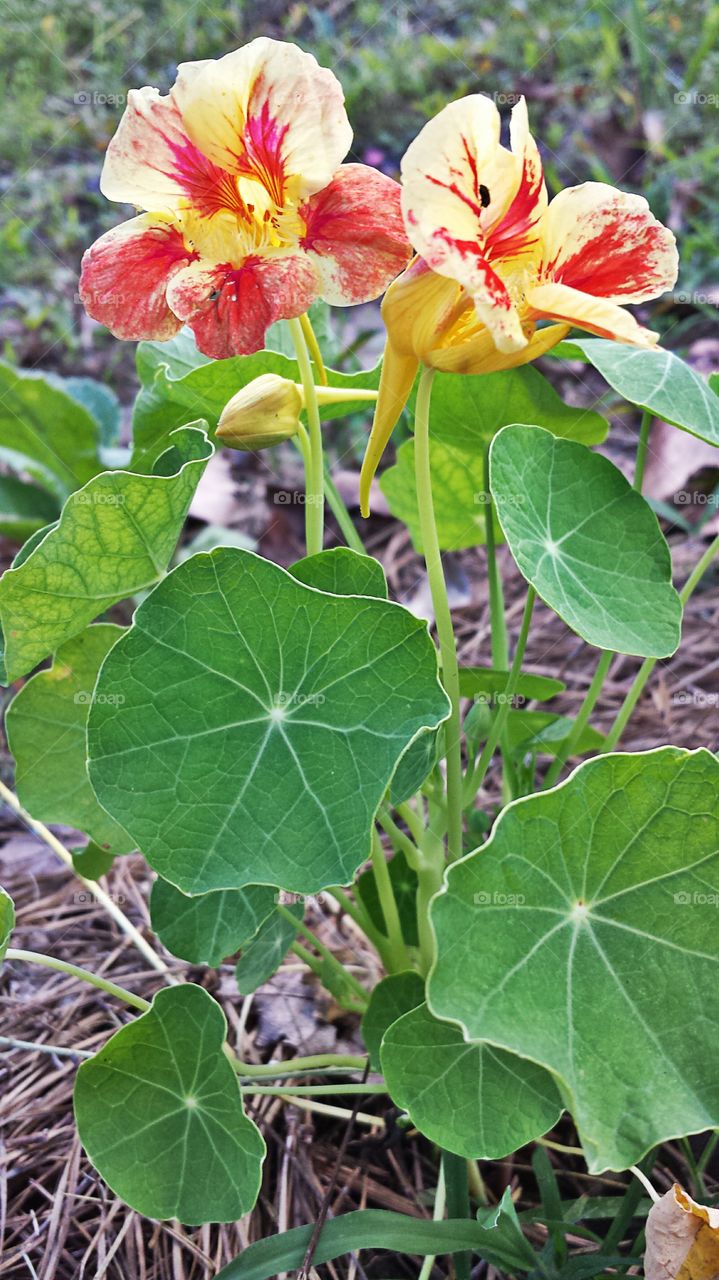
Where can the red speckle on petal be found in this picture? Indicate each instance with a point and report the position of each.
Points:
(208, 187)
(125, 275)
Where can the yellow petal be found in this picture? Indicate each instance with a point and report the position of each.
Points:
(398, 374)
(596, 315)
(458, 182)
(478, 353)
(269, 112)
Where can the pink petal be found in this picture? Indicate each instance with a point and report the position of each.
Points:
(125, 275)
(355, 234)
(230, 308)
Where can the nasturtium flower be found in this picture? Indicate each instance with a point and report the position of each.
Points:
(249, 213)
(496, 260)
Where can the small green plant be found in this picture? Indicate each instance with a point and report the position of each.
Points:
(264, 734)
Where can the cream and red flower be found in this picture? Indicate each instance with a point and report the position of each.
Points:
(249, 213)
(496, 260)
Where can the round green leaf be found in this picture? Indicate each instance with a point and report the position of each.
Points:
(160, 1115)
(260, 725)
(404, 887)
(342, 572)
(114, 539)
(417, 762)
(7, 920)
(392, 997)
(584, 936)
(589, 544)
(656, 380)
(207, 928)
(46, 726)
(472, 1099)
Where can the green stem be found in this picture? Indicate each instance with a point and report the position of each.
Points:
(342, 515)
(474, 781)
(91, 886)
(388, 903)
(457, 1184)
(429, 878)
(440, 1200)
(500, 638)
(314, 347)
(312, 1090)
(498, 621)
(85, 975)
(411, 820)
(440, 603)
(314, 492)
(318, 1062)
(649, 664)
(399, 839)
(569, 746)
(326, 955)
(642, 449)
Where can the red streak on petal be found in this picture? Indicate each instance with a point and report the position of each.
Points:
(262, 139)
(620, 259)
(515, 233)
(208, 187)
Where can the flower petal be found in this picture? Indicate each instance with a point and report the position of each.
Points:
(355, 234)
(458, 184)
(230, 308)
(596, 315)
(478, 354)
(398, 374)
(268, 112)
(125, 275)
(607, 243)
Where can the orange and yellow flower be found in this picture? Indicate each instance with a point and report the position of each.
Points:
(496, 259)
(249, 214)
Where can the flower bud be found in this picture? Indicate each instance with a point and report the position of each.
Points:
(263, 413)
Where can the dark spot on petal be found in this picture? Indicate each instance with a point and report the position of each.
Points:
(484, 195)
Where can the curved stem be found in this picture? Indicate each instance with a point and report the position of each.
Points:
(642, 449)
(400, 840)
(388, 903)
(314, 346)
(569, 746)
(74, 970)
(326, 955)
(440, 603)
(649, 664)
(318, 1062)
(342, 515)
(91, 886)
(314, 492)
(474, 781)
(440, 1200)
(498, 621)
